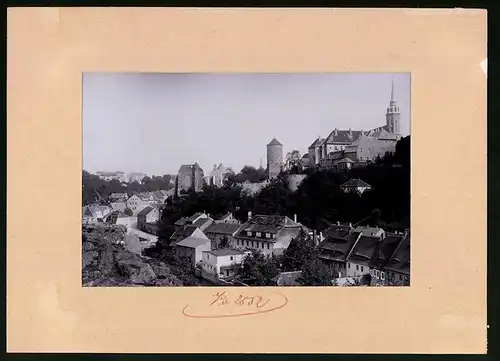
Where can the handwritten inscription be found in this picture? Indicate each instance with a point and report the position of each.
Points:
(221, 299)
(224, 304)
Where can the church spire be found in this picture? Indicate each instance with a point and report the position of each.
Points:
(392, 90)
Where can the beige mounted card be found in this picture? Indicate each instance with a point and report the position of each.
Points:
(444, 309)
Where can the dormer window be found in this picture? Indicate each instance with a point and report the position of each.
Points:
(258, 234)
(249, 233)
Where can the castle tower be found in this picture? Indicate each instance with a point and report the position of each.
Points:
(393, 115)
(274, 158)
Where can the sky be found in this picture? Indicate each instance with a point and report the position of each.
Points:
(154, 122)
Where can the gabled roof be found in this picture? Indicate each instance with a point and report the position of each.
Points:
(194, 217)
(316, 142)
(181, 221)
(342, 136)
(146, 211)
(267, 223)
(354, 183)
(193, 242)
(345, 160)
(223, 228)
(201, 222)
(274, 142)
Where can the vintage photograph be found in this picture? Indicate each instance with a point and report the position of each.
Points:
(246, 179)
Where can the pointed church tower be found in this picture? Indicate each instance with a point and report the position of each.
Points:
(393, 115)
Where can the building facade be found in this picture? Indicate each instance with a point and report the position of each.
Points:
(190, 177)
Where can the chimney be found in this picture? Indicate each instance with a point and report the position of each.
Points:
(350, 225)
(320, 236)
(249, 215)
(295, 218)
(338, 223)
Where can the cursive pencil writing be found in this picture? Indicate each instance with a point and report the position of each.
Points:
(221, 299)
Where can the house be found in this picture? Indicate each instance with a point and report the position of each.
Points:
(122, 197)
(355, 185)
(271, 234)
(222, 263)
(218, 231)
(135, 177)
(147, 215)
(190, 177)
(188, 231)
(192, 248)
(217, 176)
(200, 220)
(140, 201)
(227, 218)
(109, 176)
(120, 205)
(180, 223)
(367, 252)
(287, 279)
(118, 217)
(94, 213)
(397, 267)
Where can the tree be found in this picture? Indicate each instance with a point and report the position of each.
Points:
(315, 273)
(301, 250)
(259, 269)
(224, 242)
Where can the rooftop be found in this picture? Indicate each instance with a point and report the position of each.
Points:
(354, 183)
(274, 142)
(193, 242)
(223, 228)
(225, 252)
(146, 211)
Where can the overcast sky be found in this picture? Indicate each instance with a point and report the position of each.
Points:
(154, 123)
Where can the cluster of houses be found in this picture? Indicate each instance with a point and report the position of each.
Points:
(121, 176)
(216, 248)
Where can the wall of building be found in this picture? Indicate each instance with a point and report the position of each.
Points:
(356, 270)
(274, 160)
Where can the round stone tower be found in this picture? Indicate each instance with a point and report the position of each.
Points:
(274, 158)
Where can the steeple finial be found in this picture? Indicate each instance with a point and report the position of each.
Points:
(392, 90)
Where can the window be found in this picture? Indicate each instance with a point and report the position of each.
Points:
(258, 234)
(268, 235)
(400, 278)
(231, 258)
(208, 256)
(238, 242)
(348, 265)
(361, 268)
(382, 275)
(268, 246)
(377, 273)
(371, 272)
(357, 268)
(263, 245)
(248, 243)
(249, 233)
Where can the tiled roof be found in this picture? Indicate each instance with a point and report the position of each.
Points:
(223, 228)
(192, 242)
(225, 252)
(274, 142)
(364, 250)
(202, 221)
(185, 232)
(145, 211)
(354, 183)
(400, 260)
(267, 223)
(194, 217)
(338, 244)
(342, 136)
(181, 221)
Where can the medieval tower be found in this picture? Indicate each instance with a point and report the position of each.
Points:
(274, 158)
(393, 115)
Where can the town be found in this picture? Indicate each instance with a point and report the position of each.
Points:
(337, 215)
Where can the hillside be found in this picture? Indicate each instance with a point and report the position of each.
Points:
(106, 262)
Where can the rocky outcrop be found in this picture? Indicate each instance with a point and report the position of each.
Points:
(107, 263)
